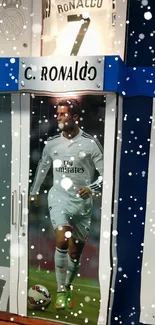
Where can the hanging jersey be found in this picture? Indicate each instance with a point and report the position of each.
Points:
(78, 27)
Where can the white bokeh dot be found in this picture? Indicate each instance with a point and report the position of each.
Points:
(8, 236)
(68, 234)
(106, 234)
(115, 232)
(34, 68)
(141, 36)
(144, 2)
(17, 250)
(39, 257)
(57, 163)
(25, 211)
(61, 125)
(147, 15)
(66, 183)
(87, 299)
(36, 28)
(12, 60)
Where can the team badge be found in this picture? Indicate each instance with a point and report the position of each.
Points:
(81, 154)
(12, 20)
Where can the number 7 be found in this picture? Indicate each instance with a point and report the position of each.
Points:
(81, 33)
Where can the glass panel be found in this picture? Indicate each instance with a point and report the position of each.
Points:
(5, 195)
(62, 206)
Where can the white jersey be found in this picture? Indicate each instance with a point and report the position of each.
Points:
(78, 27)
(73, 161)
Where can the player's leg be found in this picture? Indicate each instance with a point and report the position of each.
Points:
(60, 224)
(61, 260)
(61, 264)
(74, 258)
(76, 245)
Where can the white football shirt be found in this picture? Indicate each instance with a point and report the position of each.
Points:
(79, 27)
(73, 161)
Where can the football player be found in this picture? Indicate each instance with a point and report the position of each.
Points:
(74, 155)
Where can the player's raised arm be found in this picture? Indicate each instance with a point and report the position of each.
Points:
(97, 157)
(41, 171)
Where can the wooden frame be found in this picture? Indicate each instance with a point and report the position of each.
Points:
(9, 319)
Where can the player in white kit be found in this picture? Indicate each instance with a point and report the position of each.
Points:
(74, 156)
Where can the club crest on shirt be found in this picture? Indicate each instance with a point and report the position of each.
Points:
(81, 154)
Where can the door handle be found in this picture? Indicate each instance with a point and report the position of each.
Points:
(14, 207)
(22, 208)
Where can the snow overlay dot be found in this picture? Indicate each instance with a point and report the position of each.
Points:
(141, 36)
(68, 234)
(106, 234)
(87, 299)
(147, 15)
(144, 2)
(115, 232)
(8, 236)
(17, 250)
(66, 183)
(12, 60)
(57, 163)
(61, 126)
(39, 257)
(36, 28)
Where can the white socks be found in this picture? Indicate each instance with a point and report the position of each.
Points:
(65, 269)
(73, 266)
(60, 268)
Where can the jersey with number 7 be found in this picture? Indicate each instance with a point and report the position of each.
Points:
(78, 27)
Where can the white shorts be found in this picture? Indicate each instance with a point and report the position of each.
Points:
(75, 214)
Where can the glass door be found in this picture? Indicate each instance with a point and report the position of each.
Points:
(23, 199)
(9, 197)
(68, 135)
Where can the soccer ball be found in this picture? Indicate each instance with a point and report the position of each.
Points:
(38, 297)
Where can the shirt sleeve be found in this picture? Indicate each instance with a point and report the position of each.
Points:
(41, 171)
(97, 157)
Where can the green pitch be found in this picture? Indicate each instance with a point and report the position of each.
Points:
(86, 297)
